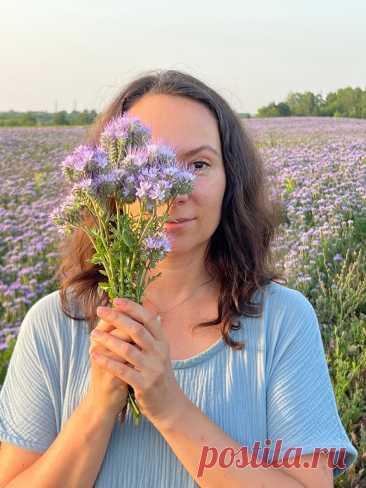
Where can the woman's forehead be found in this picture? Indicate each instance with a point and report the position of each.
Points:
(183, 124)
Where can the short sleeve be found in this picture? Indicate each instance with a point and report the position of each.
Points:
(301, 407)
(27, 413)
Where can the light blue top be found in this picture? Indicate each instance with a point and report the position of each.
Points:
(278, 387)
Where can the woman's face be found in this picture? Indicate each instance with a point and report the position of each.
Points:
(186, 125)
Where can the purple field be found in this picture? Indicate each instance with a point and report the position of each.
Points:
(317, 165)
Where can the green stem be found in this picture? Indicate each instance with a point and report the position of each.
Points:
(142, 209)
(85, 230)
(105, 242)
(101, 223)
(141, 287)
(133, 404)
(145, 228)
(121, 267)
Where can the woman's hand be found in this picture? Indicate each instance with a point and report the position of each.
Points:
(105, 389)
(157, 393)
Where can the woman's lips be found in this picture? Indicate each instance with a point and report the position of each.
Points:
(177, 225)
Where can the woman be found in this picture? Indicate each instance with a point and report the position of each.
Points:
(255, 373)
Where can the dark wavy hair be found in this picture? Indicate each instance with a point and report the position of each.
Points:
(239, 254)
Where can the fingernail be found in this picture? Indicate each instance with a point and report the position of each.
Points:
(118, 300)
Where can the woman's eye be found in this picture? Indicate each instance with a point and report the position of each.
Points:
(201, 162)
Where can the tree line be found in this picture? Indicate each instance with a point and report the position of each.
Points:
(345, 102)
(14, 119)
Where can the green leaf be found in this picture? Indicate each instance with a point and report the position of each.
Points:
(94, 232)
(5, 358)
(96, 259)
(127, 239)
(104, 286)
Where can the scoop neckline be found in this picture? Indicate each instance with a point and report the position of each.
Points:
(211, 350)
(206, 354)
(200, 357)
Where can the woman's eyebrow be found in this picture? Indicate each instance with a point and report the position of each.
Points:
(194, 151)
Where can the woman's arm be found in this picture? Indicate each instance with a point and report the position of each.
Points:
(189, 430)
(74, 458)
(186, 429)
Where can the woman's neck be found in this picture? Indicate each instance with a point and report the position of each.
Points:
(179, 278)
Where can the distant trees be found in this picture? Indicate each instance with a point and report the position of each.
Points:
(27, 119)
(274, 110)
(345, 102)
(21, 119)
(14, 119)
(60, 118)
(82, 118)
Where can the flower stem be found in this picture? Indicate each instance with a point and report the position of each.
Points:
(102, 227)
(121, 267)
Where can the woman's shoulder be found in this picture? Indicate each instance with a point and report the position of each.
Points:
(288, 315)
(46, 310)
(280, 299)
(46, 303)
(50, 306)
(47, 321)
(285, 312)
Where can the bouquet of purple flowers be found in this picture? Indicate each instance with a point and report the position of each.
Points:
(107, 179)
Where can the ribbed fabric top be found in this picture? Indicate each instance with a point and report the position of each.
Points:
(277, 387)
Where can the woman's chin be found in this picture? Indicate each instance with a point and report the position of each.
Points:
(179, 246)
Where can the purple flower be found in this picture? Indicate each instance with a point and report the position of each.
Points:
(171, 170)
(67, 212)
(79, 158)
(134, 159)
(182, 180)
(83, 185)
(128, 191)
(126, 129)
(160, 154)
(15, 285)
(117, 127)
(159, 244)
(100, 157)
(158, 192)
(143, 189)
(85, 161)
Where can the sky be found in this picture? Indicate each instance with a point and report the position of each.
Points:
(78, 54)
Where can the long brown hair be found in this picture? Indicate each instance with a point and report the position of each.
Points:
(239, 254)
